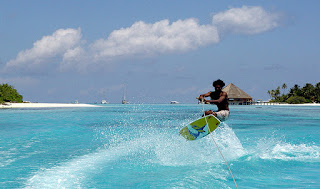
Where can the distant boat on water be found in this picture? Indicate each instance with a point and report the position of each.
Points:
(174, 102)
(104, 102)
(124, 100)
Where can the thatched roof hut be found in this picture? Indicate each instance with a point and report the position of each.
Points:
(236, 95)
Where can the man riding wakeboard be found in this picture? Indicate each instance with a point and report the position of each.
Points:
(219, 98)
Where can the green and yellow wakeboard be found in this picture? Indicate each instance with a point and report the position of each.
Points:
(200, 128)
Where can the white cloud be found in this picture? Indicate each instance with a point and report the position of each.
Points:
(52, 46)
(245, 20)
(72, 57)
(161, 37)
(64, 51)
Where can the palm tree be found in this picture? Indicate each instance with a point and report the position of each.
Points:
(269, 92)
(273, 94)
(277, 93)
(284, 87)
(295, 90)
(317, 92)
(308, 91)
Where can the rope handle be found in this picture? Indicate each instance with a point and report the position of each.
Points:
(202, 100)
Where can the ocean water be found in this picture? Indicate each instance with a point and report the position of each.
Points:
(138, 146)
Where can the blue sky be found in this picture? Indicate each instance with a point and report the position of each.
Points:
(61, 51)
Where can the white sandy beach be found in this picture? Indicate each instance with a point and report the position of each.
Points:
(44, 105)
(307, 104)
(283, 104)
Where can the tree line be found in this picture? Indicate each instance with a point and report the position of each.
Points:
(296, 94)
(9, 94)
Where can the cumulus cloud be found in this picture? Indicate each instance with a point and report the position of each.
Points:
(161, 37)
(64, 50)
(72, 57)
(246, 20)
(51, 46)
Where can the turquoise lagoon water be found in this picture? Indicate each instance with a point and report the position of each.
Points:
(138, 146)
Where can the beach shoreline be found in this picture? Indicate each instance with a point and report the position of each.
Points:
(283, 104)
(72, 105)
(43, 105)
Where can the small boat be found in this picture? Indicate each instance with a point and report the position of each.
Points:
(124, 101)
(174, 102)
(104, 102)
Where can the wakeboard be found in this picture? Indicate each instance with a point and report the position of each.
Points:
(200, 127)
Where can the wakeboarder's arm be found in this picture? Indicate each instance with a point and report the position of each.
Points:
(219, 100)
(201, 97)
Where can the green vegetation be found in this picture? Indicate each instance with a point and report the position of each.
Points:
(9, 94)
(296, 100)
(297, 95)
